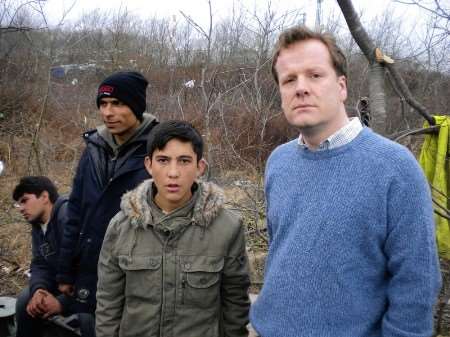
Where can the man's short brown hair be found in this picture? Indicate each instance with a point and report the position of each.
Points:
(302, 33)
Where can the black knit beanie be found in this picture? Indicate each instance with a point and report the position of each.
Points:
(129, 87)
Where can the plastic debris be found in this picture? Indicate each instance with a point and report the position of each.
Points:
(189, 84)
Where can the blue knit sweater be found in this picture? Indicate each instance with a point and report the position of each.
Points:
(352, 248)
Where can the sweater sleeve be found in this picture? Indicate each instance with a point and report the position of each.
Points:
(110, 287)
(412, 262)
(235, 283)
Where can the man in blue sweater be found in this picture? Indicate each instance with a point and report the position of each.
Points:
(352, 249)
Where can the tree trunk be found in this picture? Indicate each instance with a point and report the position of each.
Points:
(377, 98)
(376, 79)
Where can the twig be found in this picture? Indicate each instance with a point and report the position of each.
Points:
(402, 134)
(407, 94)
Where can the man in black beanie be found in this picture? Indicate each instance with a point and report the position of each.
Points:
(121, 100)
(111, 164)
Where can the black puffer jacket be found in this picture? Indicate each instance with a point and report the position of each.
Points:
(101, 179)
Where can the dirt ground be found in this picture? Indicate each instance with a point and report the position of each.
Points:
(15, 243)
(15, 248)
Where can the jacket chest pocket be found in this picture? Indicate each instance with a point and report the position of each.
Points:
(46, 250)
(143, 277)
(200, 280)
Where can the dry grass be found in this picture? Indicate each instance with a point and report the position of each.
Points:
(15, 253)
(15, 242)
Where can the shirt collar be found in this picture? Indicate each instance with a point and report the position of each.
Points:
(341, 137)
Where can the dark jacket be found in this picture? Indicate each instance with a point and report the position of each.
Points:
(45, 249)
(102, 177)
(182, 274)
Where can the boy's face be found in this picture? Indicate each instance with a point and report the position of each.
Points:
(174, 170)
(33, 207)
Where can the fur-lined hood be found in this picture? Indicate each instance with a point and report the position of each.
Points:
(135, 204)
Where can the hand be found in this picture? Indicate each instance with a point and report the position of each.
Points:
(36, 306)
(66, 289)
(52, 306)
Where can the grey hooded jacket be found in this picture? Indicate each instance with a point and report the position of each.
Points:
(184, 274)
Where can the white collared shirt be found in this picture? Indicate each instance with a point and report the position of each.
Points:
(341, 137)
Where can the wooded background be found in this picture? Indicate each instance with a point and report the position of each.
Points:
(217, 77)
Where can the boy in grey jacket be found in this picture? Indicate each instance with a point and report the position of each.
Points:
(173, 262)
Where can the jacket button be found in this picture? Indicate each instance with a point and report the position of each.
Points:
(187, 266)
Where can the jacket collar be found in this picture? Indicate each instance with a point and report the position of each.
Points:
(103, 138)
(209, 201)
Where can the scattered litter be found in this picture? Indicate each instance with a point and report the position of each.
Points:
(243, 183)
(189, 84)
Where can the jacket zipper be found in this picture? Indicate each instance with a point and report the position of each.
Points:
(183, 287)
(163, 301)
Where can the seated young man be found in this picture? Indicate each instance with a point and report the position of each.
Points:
(38, 201)
(173, 262)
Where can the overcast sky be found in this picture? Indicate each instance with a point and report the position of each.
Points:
(198, 9)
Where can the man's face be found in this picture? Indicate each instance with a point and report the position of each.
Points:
(32, 207)
(118, 118)
(312, 95)
(174, 170)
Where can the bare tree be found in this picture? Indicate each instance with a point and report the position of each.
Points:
(440, 9)
(207, 94)
(378, 61)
